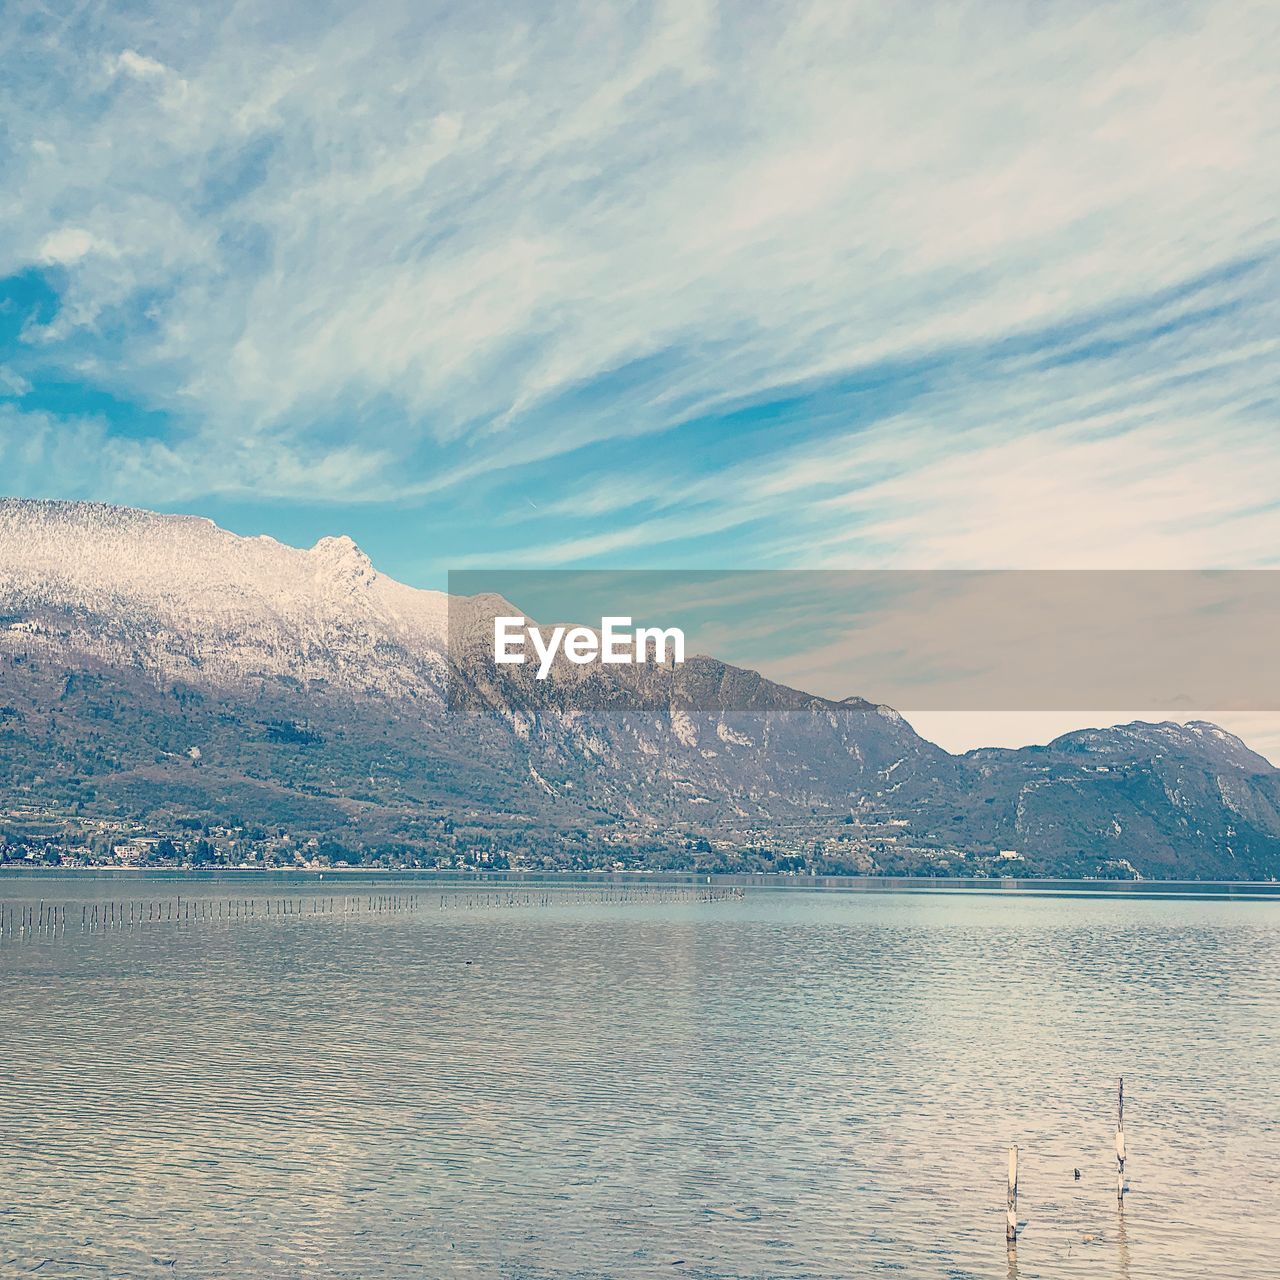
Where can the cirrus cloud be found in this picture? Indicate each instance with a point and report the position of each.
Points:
(594, 254)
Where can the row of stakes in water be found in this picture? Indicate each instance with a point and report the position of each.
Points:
(19, 919)
(52, 919)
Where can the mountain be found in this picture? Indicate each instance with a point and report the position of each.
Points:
(189, 602)
(241, 699)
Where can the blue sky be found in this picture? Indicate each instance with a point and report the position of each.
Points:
(670, 285)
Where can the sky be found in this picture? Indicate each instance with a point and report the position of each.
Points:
(688, 285)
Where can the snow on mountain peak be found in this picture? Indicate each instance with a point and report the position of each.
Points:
(194, 597)
(341, 563)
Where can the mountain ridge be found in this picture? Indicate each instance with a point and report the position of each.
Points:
(182, 674)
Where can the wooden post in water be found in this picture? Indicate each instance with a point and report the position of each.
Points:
(1120, 1151)
(1011, 1216)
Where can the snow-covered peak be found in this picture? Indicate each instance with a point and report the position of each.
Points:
(342, 553)
(341, 567)
(180, 585)
(88, 553)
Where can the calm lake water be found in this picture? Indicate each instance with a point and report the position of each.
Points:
(796, 1083)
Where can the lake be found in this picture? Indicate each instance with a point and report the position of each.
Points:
(527, 1082)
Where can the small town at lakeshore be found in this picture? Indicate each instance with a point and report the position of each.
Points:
(34, 836)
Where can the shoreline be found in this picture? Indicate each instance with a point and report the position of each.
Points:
(1027, 886)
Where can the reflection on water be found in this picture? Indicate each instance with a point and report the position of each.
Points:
(799, 1084)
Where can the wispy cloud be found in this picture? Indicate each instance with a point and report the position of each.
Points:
(829, 281)
(1143, 440)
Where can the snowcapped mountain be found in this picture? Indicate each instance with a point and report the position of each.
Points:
(190, 602)
(158, 670)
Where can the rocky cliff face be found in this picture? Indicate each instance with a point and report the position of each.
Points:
(159, 668)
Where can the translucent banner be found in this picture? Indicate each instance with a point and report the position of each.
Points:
(917, 641)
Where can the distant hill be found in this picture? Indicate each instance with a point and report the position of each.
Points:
(159, 675)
